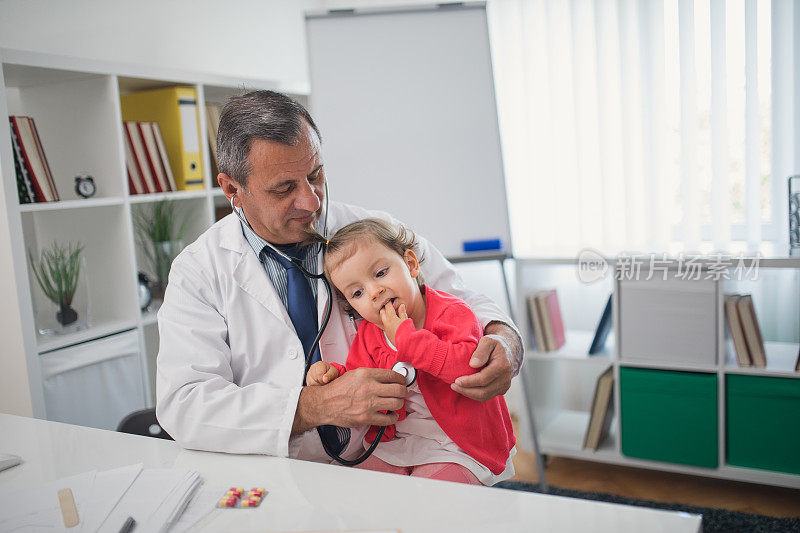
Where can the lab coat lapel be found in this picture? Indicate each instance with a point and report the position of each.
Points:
(249, 272)
(250, 276)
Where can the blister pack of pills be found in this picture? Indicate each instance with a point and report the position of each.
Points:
(237, 498)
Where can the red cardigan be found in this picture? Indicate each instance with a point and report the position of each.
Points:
(441, 352)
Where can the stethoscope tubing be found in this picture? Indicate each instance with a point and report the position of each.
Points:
(325, 319)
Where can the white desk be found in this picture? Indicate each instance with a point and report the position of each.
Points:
(307, 496)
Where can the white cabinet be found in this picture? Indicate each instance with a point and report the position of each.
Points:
(76, 106)
(95, 383)
(668, 328)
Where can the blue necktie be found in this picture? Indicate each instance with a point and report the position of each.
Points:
(302, 310)
(300, 301)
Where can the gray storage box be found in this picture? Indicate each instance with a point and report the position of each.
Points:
(668, 321)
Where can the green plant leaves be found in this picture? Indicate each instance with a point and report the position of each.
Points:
(156, 224)
(57, 271)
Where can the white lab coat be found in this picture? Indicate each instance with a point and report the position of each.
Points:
(230, 365)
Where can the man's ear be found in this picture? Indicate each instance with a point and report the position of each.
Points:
(411, 262)
(230, 187)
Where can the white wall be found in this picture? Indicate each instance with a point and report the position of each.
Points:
(15, 396)
(248, 38)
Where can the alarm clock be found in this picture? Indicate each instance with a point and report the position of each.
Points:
(84, 186)
(145, 295)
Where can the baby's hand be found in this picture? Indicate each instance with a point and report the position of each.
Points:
(392, 319)
(321, 373)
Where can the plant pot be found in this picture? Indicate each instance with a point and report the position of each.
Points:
(158, 289)
(66, 315)
(164, 253)
(55, 319)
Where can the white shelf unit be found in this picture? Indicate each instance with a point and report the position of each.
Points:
(561, 383)
(76, 105)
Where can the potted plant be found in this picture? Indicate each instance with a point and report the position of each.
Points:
(160, 231)
(57, 271)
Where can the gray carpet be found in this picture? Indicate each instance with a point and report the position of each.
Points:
(714, 520)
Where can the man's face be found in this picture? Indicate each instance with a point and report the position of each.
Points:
(285, 191)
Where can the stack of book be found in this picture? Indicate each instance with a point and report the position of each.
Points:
(146, 159)
(546, 320)
(213, 112)
(34, 178)
(176, 112)
(748, 343)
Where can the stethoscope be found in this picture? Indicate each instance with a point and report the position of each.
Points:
(404, 369)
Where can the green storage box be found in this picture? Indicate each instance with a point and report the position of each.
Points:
(670, 416)
(763, 421)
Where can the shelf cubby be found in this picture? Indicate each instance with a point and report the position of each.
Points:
(194, 206)
(103, 231)
(74, 115)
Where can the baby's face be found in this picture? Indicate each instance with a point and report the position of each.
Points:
(374, 275)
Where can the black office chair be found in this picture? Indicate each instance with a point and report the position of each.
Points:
(143, 422)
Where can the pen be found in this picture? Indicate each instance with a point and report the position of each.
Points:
(128, 526)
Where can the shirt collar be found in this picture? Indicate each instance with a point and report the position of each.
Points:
(257, 244)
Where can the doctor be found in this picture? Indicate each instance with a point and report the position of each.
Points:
(230, 364)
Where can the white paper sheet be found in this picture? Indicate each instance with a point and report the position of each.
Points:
(37, 510)
(152, 499)
(109, 487)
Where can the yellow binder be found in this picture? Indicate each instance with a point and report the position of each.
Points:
(175, 110)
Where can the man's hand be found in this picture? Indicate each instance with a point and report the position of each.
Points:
(392, 319)
(499, 352)
(354, 399)
(321, 373)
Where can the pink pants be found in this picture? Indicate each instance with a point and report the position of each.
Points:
(442, 471)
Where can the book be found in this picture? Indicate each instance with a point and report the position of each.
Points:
(213, 113)
(547, 328)
(603, 329)
(752, 333)
(135, 179)
(175, 110)
(556, 320)
(24, 187)
(22, 190)
(797, 363)
(153, 155)
(29, 158)
(546, 321)
(140, 154)
(40, 148)
(162, 152)
(736, 331)
(536, 324)
(602, 412)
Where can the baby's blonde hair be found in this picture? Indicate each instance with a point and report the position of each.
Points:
(344, 241)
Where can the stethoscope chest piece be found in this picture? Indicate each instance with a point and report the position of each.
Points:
(407, 371)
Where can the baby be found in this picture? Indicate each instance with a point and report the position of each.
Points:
(440, 434)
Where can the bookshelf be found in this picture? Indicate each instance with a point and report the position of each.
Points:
(76, 105)
(561, 383)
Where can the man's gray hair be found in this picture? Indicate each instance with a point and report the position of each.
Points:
(266, 115)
